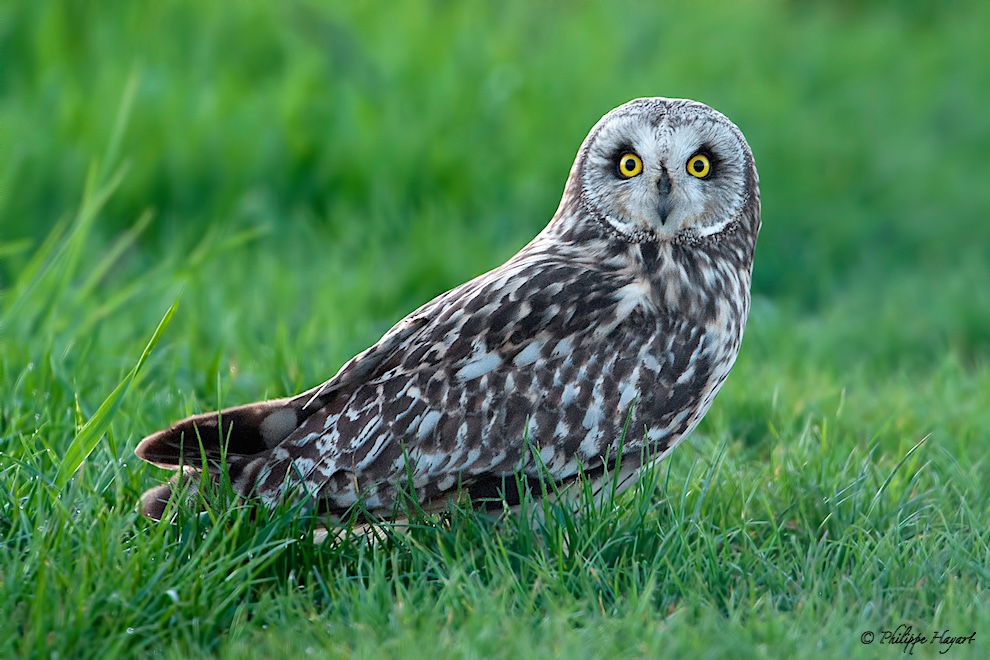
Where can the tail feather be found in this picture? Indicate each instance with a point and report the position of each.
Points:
(238, 440)
(225, 435)
(154, 501)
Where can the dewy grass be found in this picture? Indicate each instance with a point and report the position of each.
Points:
(92, 431)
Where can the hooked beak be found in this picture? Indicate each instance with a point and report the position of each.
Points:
(664, 187)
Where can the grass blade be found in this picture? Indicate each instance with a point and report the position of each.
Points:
(89, 435)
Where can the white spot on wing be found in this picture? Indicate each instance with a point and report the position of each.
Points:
(428, 424)
(564, 347)
(590, 445)
(569, 394)
(478, 366)
(629, 393)
(528, 355)
(592, 417)
(277, 426)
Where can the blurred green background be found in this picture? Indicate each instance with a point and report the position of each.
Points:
(391, 152)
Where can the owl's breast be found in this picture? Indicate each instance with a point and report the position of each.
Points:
(692, 338)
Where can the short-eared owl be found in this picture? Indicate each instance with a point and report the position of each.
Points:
(621, 319)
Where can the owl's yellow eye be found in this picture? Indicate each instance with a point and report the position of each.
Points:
(630, 165)
(698, 165)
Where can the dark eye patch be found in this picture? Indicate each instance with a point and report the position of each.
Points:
(616, 157)
(708, 152)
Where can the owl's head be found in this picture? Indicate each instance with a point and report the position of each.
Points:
(657, 169)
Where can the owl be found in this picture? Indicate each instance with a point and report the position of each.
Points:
(593, 351)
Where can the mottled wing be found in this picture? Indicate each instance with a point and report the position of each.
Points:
(520, 351)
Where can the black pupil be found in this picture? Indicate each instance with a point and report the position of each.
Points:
(630, 164)
(699, 165)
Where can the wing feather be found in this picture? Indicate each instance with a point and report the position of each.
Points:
(454, 387)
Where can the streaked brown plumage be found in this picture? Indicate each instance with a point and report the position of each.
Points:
(634, 298)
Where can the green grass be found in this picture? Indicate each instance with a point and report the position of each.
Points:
(305, 175)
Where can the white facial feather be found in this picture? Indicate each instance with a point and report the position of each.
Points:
(665, 141)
